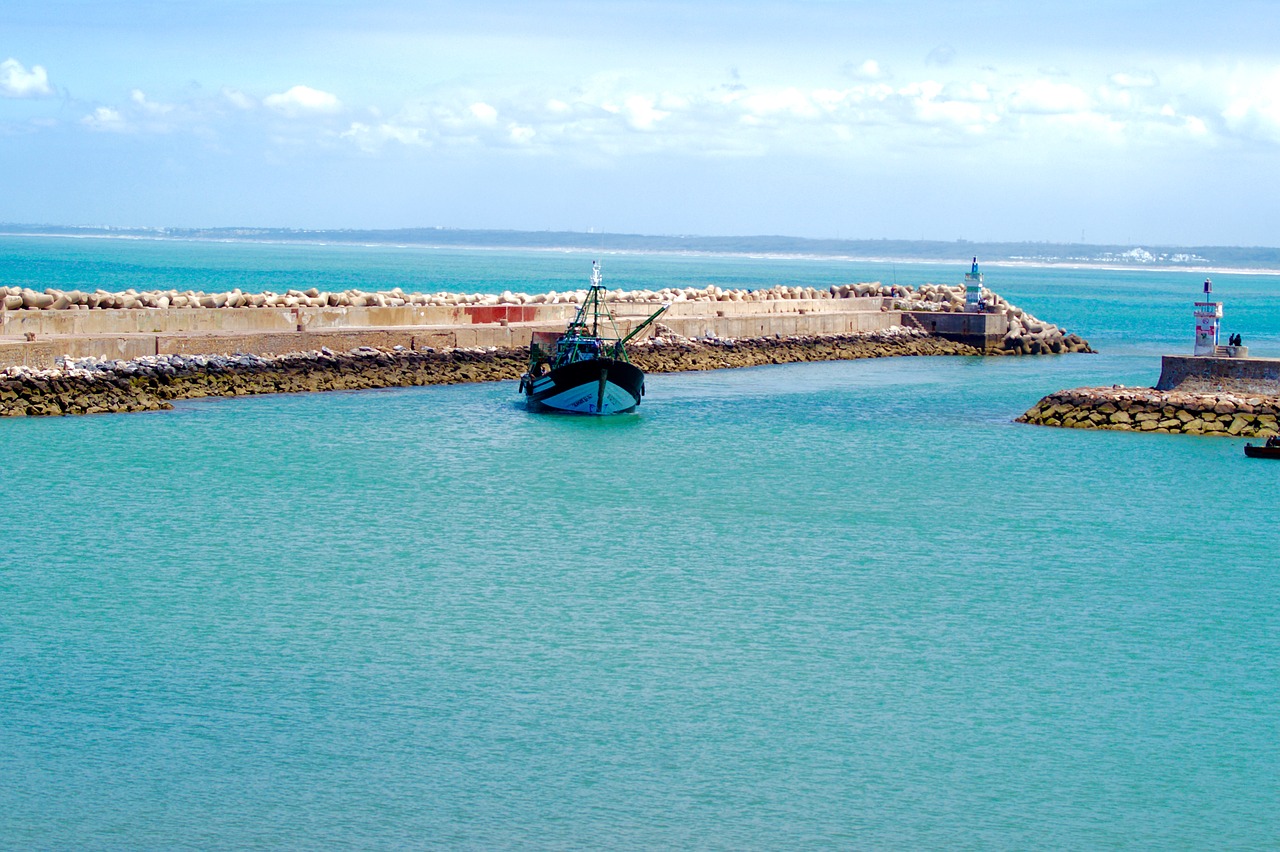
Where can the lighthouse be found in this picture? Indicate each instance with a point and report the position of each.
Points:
(1207, 314)
(973, 290)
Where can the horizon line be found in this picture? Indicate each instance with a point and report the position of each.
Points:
(52, 229)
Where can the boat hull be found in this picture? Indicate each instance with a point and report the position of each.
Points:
(599, 386)
(1263, 452)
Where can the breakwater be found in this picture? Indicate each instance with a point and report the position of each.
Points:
(95, 386)
(669, 354)
(1210, 374)
(92, 386)
(1130, 409)
(38, 328)
(20, 298)
(945, 298)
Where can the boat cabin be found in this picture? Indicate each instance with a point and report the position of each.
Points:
(573, 349)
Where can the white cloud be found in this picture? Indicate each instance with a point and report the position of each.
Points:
(673, 102)
(483, 112)
(1195, 126)
(958, 113)
(107, 120)
(869, 71)
(641, 113)
(1134, 80)
(303, 100)
(1253, 117)
(149, 107)
(878, 93)
(962, 107)
(238, 99)
(371, 138)
(921, 91)
(1045, 97)
(520, 134)
(967, 92)
(17, 82)
(614, 114)
(1252, 105)
(772, 103)
(432, 126)
(1117, 99)
(602, 117)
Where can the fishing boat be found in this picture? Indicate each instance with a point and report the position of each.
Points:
(1269, 450)
(583, 371)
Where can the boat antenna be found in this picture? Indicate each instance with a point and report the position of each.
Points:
(595, 305)
(597, 284)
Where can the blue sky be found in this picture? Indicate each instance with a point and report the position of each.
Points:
(1128, 122)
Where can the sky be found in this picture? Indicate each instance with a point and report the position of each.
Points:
(1124, 122)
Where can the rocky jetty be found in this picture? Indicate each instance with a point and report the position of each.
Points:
(19, 298)
(928, 297)
(91, 386)
(1149, 410)
(670, 353)
(1026, 335)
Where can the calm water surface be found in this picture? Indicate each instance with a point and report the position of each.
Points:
(844, 605)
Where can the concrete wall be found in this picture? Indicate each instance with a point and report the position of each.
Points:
(1207, 374)
(177, 320)
(23, 354)
(984, 331)
(146, 321)
(768, 308)
(44, 351)
(787, 325)
(130, 333)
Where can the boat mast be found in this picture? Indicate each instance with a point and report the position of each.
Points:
(593, 305)
(597, 284)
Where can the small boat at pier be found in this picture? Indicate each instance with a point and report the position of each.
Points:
(582, 371)
(1269, 450)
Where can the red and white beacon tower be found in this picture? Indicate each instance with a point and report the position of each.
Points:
(1207, 315)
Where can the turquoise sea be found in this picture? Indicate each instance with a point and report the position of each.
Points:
(844, 605)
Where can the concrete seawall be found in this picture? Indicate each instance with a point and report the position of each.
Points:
(128, 321)
(1204, 374)
(38, 338)
(165, 345)
(151, 383)
(38, 328)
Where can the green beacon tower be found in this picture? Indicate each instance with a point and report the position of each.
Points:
(973, 290)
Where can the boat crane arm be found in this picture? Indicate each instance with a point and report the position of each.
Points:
(642, 326)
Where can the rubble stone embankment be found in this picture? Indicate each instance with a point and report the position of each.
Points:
(92, 386)
(1131, 409)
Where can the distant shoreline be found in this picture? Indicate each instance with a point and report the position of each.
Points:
(780, 255)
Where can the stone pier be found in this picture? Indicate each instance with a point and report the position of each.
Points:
(37, 330)
(37, 338)
(1212, 374)
(1196, 395)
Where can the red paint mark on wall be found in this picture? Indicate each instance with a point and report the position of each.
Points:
(498, 313)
